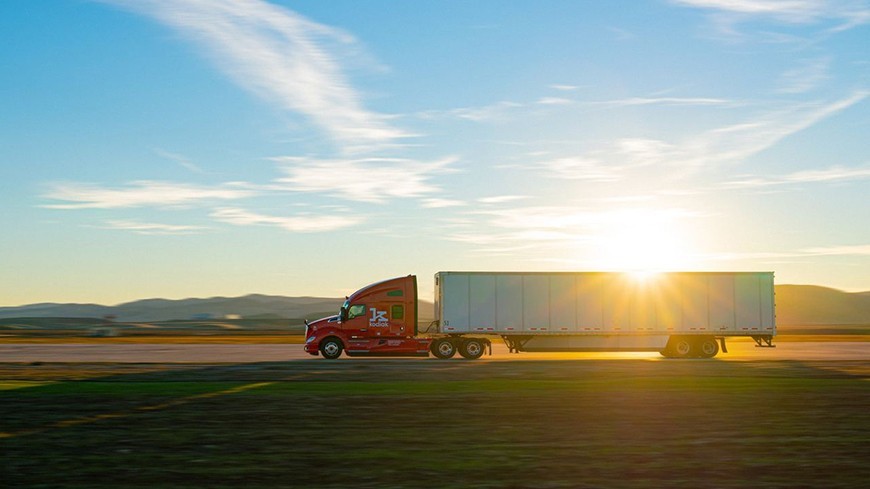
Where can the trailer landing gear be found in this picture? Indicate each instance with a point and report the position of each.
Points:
(515, 344)
(764, 341)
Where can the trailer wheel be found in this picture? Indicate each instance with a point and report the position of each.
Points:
(682, 348)
(471, 349)
(443, 348)
(707, 348)
(331, 348)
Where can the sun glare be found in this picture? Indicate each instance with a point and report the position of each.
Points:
(644, 242)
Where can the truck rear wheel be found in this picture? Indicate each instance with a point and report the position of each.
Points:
(443, 348)
(471, 349)
(331, 348)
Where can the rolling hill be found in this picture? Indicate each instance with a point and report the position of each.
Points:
(249, 306)
(812, 304)
(795, 305)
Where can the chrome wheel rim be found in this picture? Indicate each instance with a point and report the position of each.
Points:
(331, 348)
(683, 348)
(708, 347)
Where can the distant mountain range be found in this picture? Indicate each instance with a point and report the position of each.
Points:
(255, 306)
(812, 304)
(795, 305)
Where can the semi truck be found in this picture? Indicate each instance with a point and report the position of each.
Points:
(678, 314)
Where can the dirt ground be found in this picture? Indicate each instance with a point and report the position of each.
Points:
(592, 422)
(252, 352)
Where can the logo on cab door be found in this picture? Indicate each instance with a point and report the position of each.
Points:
(378, 319)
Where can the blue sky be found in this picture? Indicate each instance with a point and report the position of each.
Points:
(199, 148)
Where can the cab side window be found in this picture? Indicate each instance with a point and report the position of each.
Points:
(356, 310)
(397, 312)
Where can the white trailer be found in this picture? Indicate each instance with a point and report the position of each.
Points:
(682, 315)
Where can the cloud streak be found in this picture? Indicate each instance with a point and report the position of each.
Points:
(139, 194)
(514, 229)
(808, 75)
(498, 111)
(742, 140)
(849, 13)
(153, 228)
(728, 144)
(300, 223)
(374, 180)
(820, 251)
(507, 110)
(281, 57)
(827, 175)
(850, 250)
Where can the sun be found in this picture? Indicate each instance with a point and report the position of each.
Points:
(645, 241)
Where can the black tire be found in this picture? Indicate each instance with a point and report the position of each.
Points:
(443, 348)
(331, 348)
(472, 349)
(681, 347)
(707, 347)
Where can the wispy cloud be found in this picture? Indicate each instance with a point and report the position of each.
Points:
(280, 56)
(856, 250)
(621, 34)
(804, 253)
(587, 168)
(300, 223)
(847, 13)
(808, 75)
(677, 101)
(732, 143)
(554, 101)
(741, 140)
(152, 228)
(611, 163)
(607, 238)
(506, 110)
(365, 180)
(552, 218)
(139, 194)
(509, 230)
(827, 175)
(498, 111)
(433, 203)
(184, 161)
(501, 199)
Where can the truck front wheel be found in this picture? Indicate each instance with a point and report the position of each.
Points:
(443, 348)
(331, 348)
(471, 349)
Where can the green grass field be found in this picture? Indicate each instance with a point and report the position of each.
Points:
(436, 424)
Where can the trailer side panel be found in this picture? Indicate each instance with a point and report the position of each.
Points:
(600, 303)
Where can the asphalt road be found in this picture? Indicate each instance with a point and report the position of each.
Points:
(245, 353)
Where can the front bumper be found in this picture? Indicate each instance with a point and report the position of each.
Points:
(311, 347)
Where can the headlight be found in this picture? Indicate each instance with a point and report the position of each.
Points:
(310, 339)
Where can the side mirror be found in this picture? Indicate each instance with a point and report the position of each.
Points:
(343, 314)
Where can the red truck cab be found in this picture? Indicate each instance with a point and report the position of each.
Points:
(377, 320)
